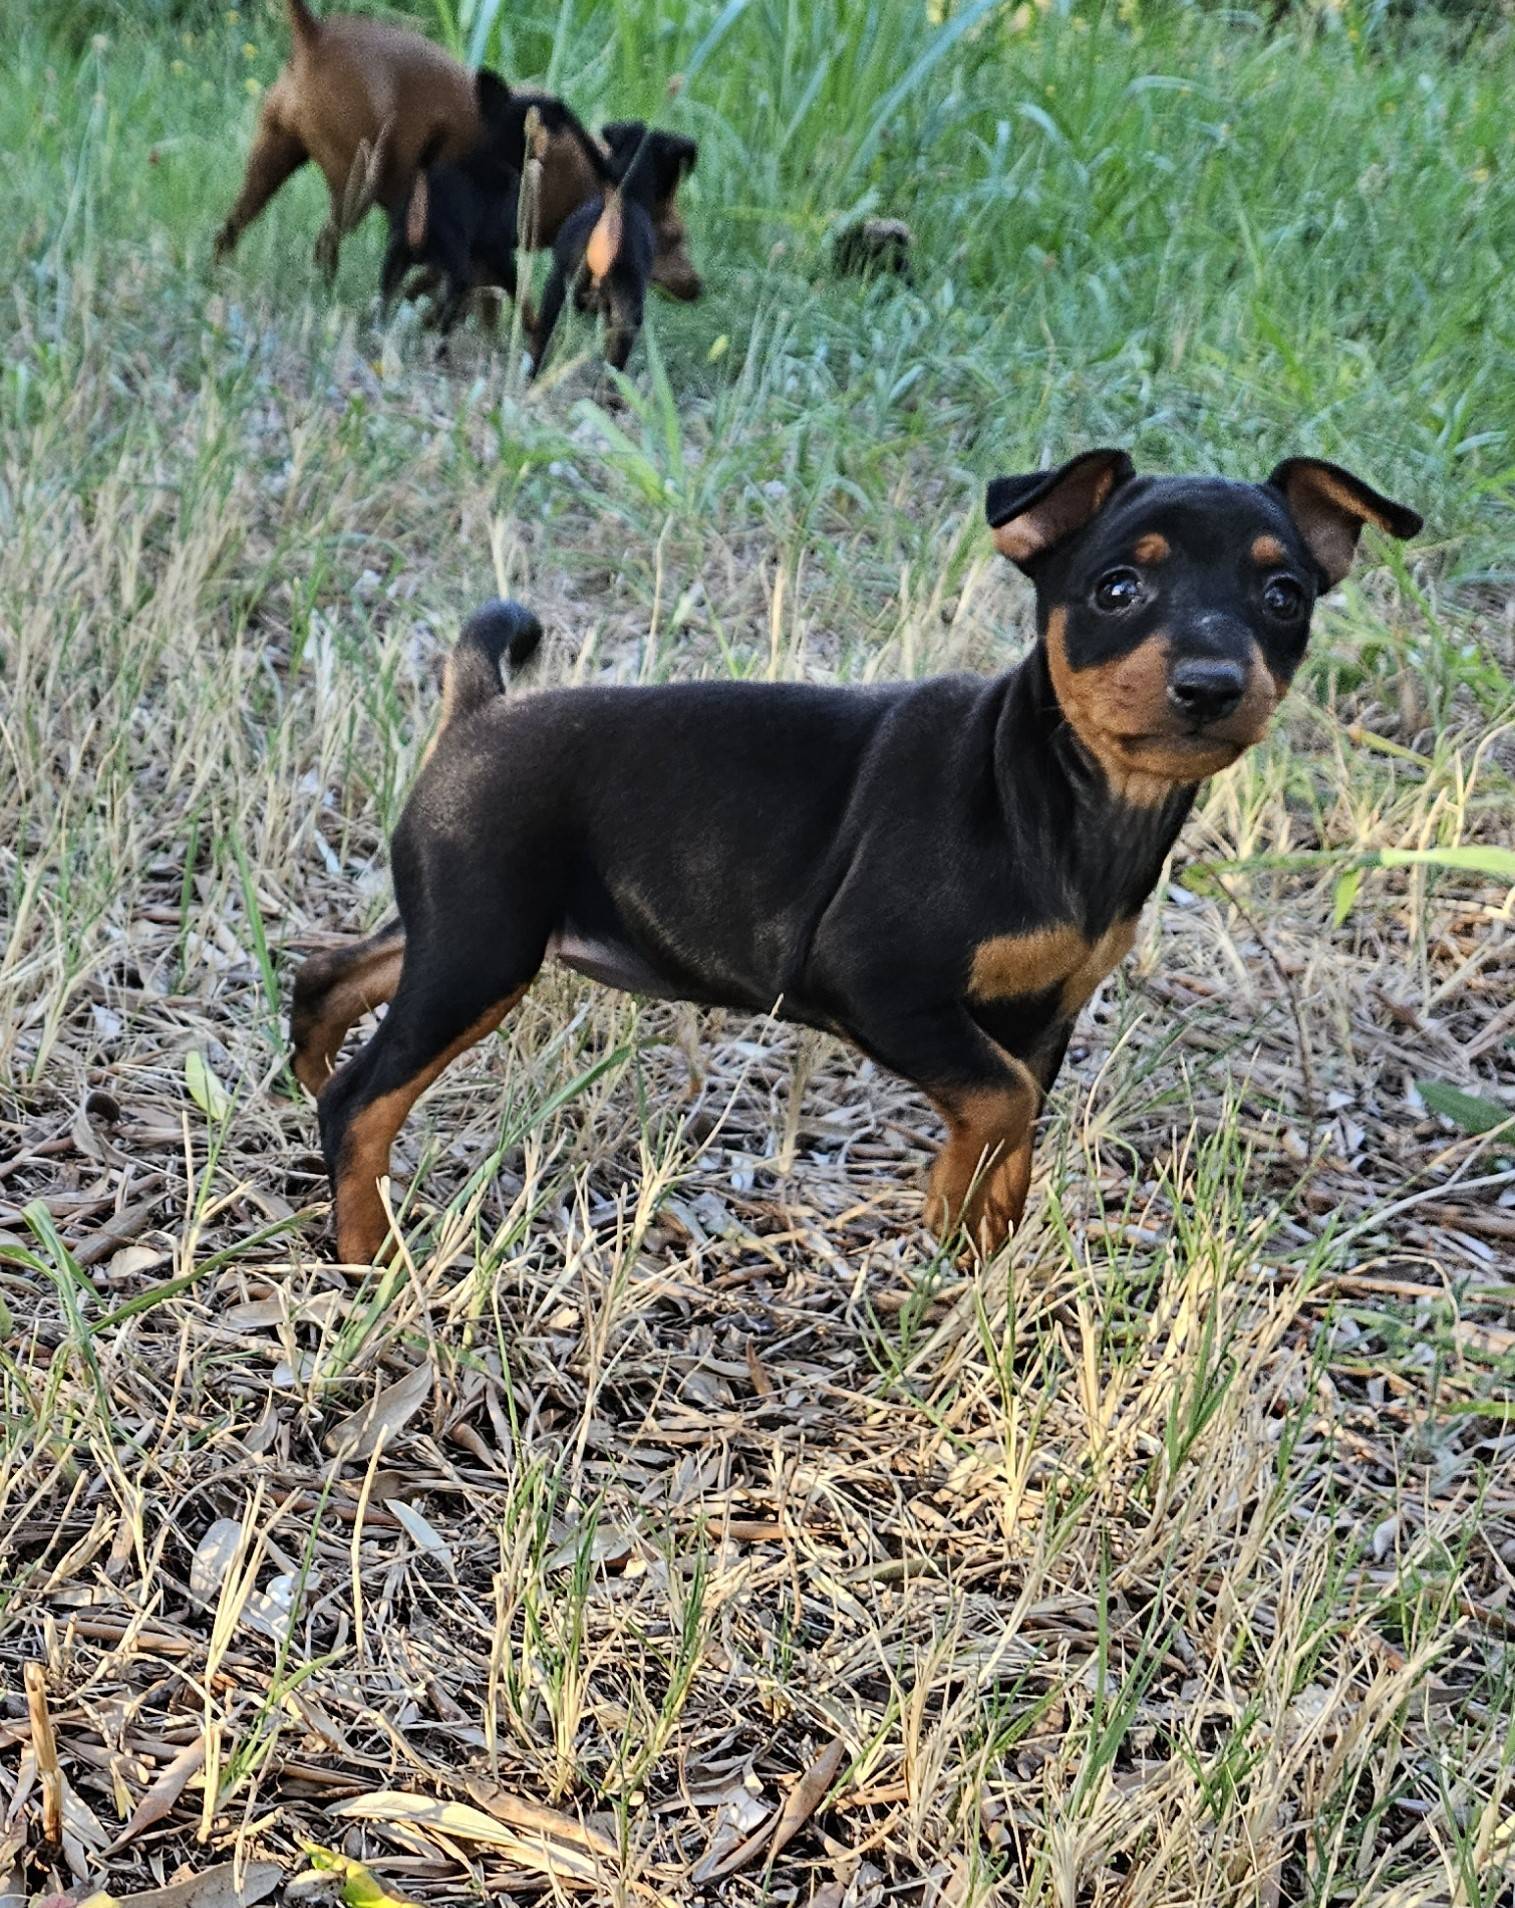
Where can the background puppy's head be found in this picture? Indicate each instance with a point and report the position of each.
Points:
(665, 159)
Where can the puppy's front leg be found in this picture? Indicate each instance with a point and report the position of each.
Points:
(989, 1100)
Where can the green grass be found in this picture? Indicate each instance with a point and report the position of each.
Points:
(1165, 1560)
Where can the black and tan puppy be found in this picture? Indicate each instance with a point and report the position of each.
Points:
(460, 223)
(942, 872)
(627, 238)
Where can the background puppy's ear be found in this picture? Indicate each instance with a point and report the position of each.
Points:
(623, 136)
(492, 93)
(1031, 514)
(1330, 506)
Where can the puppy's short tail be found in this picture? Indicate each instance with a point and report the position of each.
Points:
(501, 632)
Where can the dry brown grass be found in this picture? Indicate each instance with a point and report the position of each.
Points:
(671, 1504)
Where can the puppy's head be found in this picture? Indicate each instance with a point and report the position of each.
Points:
(1175, 610)
(667, 160)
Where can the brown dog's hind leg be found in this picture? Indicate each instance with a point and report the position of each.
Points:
(332, 990)
(439, 1010)
(275, 156)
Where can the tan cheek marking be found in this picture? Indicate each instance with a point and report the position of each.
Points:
(1269, 550)
(1069, 687)
(1151, 548)
(1129, 696)
(1263, 693)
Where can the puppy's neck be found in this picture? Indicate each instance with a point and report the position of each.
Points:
(1112, 845)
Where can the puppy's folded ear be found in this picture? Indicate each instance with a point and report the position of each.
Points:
(685, 152)
(622, 137)
(1330, 507)
(492, 93)
(1031, 514)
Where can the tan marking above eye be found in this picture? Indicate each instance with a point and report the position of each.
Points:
(1151, 548)
(1011, 965)
(1269, 550)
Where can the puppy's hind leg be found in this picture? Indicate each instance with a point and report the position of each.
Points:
(441, 1008)
(333, 990)
(623, 321)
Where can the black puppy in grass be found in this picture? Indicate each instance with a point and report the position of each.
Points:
(627, 237)
(459, 223)
(461, 227)
(941, 871)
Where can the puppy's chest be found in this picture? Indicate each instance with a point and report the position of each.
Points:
(1047, 973)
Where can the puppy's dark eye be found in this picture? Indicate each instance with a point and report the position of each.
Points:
(1283, 598)
(1117, 590)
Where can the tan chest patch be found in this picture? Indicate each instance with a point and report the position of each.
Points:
(1011, 965)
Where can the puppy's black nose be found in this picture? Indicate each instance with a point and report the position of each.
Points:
(1206, 689)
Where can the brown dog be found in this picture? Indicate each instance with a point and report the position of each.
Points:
(361, 99)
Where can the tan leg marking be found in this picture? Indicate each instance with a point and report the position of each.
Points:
(367, 982)
(361, 1220)
(983, 1172)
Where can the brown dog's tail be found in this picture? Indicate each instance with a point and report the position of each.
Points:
(304, 27)
(501, 632)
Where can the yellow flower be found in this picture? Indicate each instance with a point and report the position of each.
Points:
(249, 51)
(253, 86)
(232, 16)
(177, 68)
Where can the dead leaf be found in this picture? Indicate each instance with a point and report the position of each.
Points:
(387, 1412)
(214, 1555)
(214, 1888)
(561, 1859)
(45, 1749)
(801, 1803)
(164, 1793)
(422, 1534)
(521, 1813)
(132, 1260)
